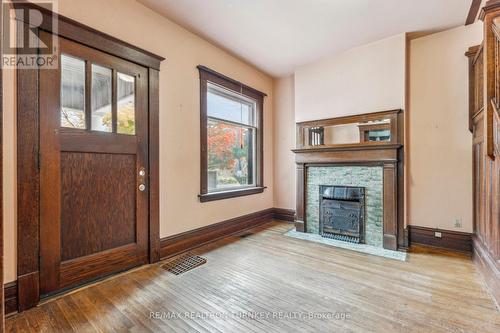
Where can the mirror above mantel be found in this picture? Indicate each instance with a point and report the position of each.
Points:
(380, 128)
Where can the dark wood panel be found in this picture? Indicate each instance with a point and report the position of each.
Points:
(91, 185)
(28, 179)
(300, 198)
(390, 207)
(473, 11)
(173, 245)
(28, 290)
(10, 296)
(50, 177)
(28, 184)
(476, 100)
(490, 270)
(154, 167)
(85, 269)
(96, 142)
(323, 155)
(486, 151)
(2, 296)
(450, 240)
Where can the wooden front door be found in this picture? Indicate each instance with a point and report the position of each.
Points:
(93, 167)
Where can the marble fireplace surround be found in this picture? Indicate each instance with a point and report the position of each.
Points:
(387, 157)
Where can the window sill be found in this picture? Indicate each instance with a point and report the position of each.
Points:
(230, 194)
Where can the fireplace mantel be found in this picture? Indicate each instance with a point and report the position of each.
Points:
(388, 155)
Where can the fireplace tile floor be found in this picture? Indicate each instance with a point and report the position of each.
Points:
(364, 248)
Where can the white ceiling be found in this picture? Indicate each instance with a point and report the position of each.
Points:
(279, 35)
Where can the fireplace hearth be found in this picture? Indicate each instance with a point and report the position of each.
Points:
(341, 213)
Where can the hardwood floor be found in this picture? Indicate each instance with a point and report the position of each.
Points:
(270, 275)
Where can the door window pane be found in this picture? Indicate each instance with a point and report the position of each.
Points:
(125, 90)
(72, 92)
(101, 98)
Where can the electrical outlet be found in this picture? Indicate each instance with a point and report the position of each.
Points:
(437, 234)
(457, 222)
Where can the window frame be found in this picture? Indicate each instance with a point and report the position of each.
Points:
(210, 76)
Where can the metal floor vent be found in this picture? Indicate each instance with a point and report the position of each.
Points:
(184, 263)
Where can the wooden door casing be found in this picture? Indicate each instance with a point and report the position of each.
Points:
(28, 145)
(93, 218)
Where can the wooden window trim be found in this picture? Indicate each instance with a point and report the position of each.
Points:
(209, 75)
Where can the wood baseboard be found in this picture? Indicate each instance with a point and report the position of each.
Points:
(173, 245)
(489, 270)
(283, 214)
(450, 240)
(10, 297)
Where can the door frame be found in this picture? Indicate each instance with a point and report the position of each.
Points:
(28, 169)
(2, 310)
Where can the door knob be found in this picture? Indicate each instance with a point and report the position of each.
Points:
(142, 187)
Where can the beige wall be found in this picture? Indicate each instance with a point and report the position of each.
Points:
(440, 169)
(284, 142)
(365, 79)
(180, 209)
(9, 176)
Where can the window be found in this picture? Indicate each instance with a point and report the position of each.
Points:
(231, 137)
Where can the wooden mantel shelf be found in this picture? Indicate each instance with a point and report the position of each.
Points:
(355, 146)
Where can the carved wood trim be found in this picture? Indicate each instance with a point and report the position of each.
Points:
(390, 207)
(491, 59)
(300, 197)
